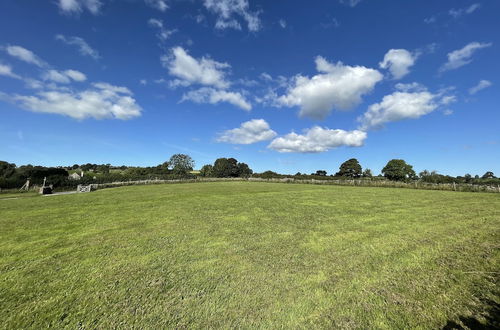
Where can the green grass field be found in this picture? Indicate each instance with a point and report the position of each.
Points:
(250, 255)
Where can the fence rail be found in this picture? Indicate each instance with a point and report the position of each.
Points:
(358, 182)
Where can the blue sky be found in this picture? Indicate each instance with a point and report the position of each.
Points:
(280, 86)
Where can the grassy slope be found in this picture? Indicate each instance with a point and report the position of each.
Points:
(249, 255)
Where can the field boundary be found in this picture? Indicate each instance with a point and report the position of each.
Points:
(355, 182)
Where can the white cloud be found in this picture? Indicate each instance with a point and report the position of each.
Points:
(318, 139)
(448, 112)
(75, 75)
(456, 13)
(104, 101)
(338, 86)
(227, 9)
(64, 77)
(25, 55)
(163, 34)
(161, 5)
(403, 105)
(255, 130)
(411, 87)
(398, 62)
(6, 70)
(83, 47)
(481, 85)
(111, 88)
(77, 6)
(214, 96)
(461, 57)
(282, 23)
(351, 3)
(190, 70)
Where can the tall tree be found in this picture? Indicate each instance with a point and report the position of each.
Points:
(181, 164)
(350, 168)
(398, 170)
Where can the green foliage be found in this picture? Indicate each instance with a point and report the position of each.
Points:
(181, 164)
(230, 168)
(367, 173)
(269, 175)
(206, 170)
(7, 169)
(434, 177)
(488, 175)
(320, 173)
(249, 255)
(398, 170)
(350, 169)
(244, 171)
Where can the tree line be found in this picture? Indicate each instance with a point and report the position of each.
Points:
(181, 166)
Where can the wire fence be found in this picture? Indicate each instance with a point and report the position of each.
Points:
(346, 182)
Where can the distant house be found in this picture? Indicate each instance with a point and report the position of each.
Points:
(74, 176)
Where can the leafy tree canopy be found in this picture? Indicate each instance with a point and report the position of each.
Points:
(350, 168)
(181, 164)
(398, 170)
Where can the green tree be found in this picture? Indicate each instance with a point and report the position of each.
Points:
(7, 169)
(320, 173)
(398, 170)
(181, 164)
(350, 168)
(225, 168)
(488, 175)
(367, 173)
(244, 170)
(206, 170)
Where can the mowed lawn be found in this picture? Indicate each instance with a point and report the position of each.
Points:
(250, 255)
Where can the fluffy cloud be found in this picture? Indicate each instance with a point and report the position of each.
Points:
(400, 105)
(77, 6)
(398, 62)
(461, 57)
(102, 101)
(25, 55)
(456, 13)
(83, 47)
(338, 86)
(214, 96)
(249, 132)
(161, 5)
(318, 139)
(481, 85)
(227, 9)
(64, 77)
(163, 34)
(190, 70)
(6, 70)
